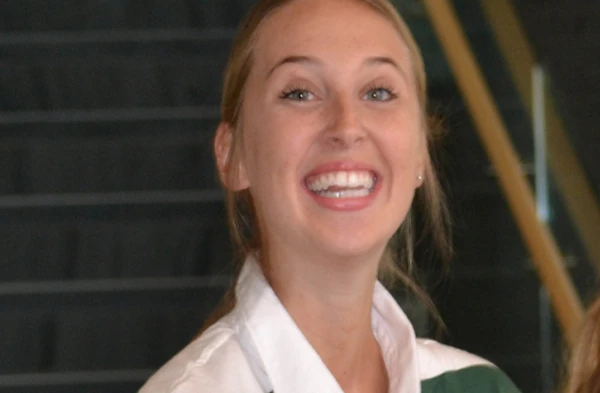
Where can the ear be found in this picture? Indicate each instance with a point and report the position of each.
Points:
(231, 170)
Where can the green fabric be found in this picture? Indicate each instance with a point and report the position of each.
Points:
(476, 379)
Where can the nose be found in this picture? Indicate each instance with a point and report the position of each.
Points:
(345, 128)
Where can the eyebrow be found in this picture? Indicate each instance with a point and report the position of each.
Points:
(386, 60)
(295, 60)
(371, 61)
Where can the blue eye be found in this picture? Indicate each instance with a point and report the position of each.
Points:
(379, 94)
(297, 95)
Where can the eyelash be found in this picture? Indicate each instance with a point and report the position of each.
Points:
(387, 89)
(294, 89)
(287, 93)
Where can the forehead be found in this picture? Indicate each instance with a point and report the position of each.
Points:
(327, 29)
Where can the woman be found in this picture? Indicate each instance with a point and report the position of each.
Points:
(584, 366)
(322, 145)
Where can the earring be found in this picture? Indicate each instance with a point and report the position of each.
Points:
(420, 177)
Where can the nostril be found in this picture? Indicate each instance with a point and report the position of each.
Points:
(344, 139)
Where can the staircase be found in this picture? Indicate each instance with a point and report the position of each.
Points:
(113, 240)
(493, 303)
(566, 37)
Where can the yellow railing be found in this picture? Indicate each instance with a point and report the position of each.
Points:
(569, 176)
(496, 142)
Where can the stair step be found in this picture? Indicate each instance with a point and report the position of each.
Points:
(111, 82)
(138, 198)
(74, 15)
(139, 332)
(80, 166)
(71, 294)
(119, 243)
(113, 120)
(56, 47)
(99, 287)
(57, 43)
(117, 381)
(112, 69)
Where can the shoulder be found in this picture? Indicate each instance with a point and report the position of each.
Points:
(213, 362)
(445, 369)
(435, 358)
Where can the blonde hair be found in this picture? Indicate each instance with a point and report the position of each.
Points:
(584, 366)
(397, 262)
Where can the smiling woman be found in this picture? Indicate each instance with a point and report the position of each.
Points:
(323, 145)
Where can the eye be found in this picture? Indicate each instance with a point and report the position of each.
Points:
(380, 94)
(297, 95)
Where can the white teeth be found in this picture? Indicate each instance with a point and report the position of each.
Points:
(356, 184)
(341, 179)
(329, 179)
(362, 192)
(353, 180)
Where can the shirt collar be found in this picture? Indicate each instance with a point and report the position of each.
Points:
(396, 336)
(289, 364)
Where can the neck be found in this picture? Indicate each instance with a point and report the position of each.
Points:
(331, 304)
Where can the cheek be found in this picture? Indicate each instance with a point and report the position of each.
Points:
(274, 149)
(403, 144)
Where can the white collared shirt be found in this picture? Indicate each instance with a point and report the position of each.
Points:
(257, 348)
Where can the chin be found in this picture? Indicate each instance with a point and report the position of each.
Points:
(354, 248)
(353, 238)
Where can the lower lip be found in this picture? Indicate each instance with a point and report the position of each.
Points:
(345, 204)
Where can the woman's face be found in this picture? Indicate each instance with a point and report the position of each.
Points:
(333, 136)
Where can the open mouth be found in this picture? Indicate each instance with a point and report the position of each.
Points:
(342, 184)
